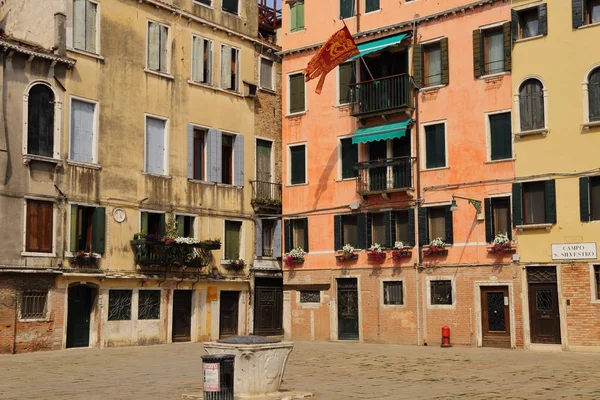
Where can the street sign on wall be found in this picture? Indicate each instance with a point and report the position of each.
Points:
(574, 251)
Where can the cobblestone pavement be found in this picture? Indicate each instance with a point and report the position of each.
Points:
(331, 370)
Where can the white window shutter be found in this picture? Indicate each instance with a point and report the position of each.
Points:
(209, 68)
(238, 154)
(226, 67)
(214, 155)
(190, 152)
(90, 26)
(259, 238)
(198, 63)
(277, 239)
(153, 46)
(164, 48)
(155, 146)
(82, 131)
(79, 24)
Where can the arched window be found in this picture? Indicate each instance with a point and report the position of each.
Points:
(594, 95)
(40, 121)
(531, 105)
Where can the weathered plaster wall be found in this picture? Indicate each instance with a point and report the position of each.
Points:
(32, 21)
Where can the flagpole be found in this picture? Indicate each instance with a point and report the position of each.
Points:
(361, 57)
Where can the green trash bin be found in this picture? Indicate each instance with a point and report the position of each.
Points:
(217, 376)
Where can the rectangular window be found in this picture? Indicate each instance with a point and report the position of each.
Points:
(296, 93)
(267, 237)
(371, 5)
(436, 217)
(392, 293)
(432, 63)
(266, 74)
(230, 68)
(155, 146)
(39, 226)
(349, 158)
(435, 146)
(201, 60)
(493, 51)
(377, 228)
(149, 304)
(34, 305)
(592, 11)
(158, 47)
(153, 223)
(441, 292)
(83, 133)
(300, 233)
(119, 305)
(227, 160)
(346, 72)
(500, 136)
(233, 234)
(84, 25)
(597, 278)
(501, 216)
(534, 200)
(298, 164)
(346, 8)
(350, 230)
(205, 2)
(529, 23)
(402, 228)
(595, 198)
(231, 6)
(199, 143)
(297, 16)
(185, 226)
(310, 296)
(88, 226)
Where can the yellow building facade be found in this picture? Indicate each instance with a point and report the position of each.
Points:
(556, 106)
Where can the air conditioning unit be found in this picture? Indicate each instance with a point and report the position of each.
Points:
(249, 89)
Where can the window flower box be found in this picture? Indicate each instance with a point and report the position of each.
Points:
(235, 264)
(400, 251)
(437, 247)
(83, 258)
(376, 254)
(501, 244)
(294, 257)
(347, 253)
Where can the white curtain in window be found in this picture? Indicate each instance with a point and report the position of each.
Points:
(435, 66)
(595, 13)
(496, 53)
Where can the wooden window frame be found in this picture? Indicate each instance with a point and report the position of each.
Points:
(289, 164)
(453, 294)
(341, 159)
(71, 30)
(521, 14)
(489, 141)
(57, 125)
(486, 33)
(587, 11)
(194, 224)
(289, 95)
(238, 68)
(25, 251)
(237, 13)
(386, 282)
(202, 140)
(427, 47)
(272, 79)
(208, 74)
(492, 216)
(272, 162)
(338, 86)
(340, 10)
(424, 147)
(292, 15)
(241, 239)
(587, 109)
(231, 159)
(345, 240)
(167, 72)
(150, 212)
(526, 205)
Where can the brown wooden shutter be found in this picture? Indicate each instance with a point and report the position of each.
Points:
(507, 47)
(514, 24)
(577, 13)
(445, 61)
(477, 53)
(543, 18)
(418, 65)
(39, 226)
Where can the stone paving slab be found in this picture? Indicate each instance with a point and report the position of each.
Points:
(332, 371)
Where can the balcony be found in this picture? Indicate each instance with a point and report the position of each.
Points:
(266, 196)
(381, 96)
(159, 253)
(385, 176)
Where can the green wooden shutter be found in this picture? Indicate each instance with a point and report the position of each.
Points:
(550, 197)
(411, 227)
(371, 5)
(584, 198)
(543, 18)
(500, 136)
(489, 228)
(298, 165)
(577, 13)
(435, 146)
(287, 233)
(507, 46)
(294, 17)
(299, 15)
(296, 93)
(390, 227)
(337, 232)
(517, 204)
(445, 61)
(305, 223)
(361, 226)
(180, 225)
(98, 230)
(161, 224)
(349, 159)
(418, 65)
(73, 241)
(449, 226)
(346, 75)
(346, 8)
(259, 239)
(422, 220)
(369, 229)
(477, 53)
(144, 222)
(514, 24)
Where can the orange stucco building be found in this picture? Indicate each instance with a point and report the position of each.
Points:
(421, 116)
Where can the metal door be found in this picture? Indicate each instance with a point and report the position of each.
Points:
(182, 315)
(347, 309)
(495, 317)
(268, 307)
(228, 315)
(78, 316)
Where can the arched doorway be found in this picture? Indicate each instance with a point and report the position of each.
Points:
(81, 299)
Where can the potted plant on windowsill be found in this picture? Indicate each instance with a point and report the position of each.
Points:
(347, 253)
(399, 251)
(84, 258)
(375, 253)
(436, 247)
(295, 256)
(236, 264)
(501, 244)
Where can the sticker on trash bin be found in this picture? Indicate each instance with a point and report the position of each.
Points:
(211, 377)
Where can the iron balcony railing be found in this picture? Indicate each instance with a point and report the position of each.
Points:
(158, 253)
(381, 95)
(381, 176)
(266, 194)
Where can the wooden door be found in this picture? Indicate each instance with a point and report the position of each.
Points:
(268, 307)
(228, 315)
(543, 313)
(347, 309)
(495, 317)
(182, 316)
(78, 316)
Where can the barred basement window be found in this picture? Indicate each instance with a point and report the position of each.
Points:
(392, 293)
(33, 305)
(441, 292)
(119, 305)
(310, 296)
(149, 304)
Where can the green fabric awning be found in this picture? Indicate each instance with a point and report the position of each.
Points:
(381, 132)
(376, 45)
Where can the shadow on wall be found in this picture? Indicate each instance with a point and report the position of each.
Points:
(331, 163)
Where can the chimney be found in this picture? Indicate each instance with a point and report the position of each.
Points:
(60, 34)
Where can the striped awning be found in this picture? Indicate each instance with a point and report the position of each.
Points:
(381, 132)
(380, 44)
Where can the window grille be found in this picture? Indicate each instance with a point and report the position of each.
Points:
(119, 305)
(149, 304)
(33, 305)
(310, 296)
(441, 292)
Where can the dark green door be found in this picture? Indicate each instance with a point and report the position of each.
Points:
(78, 316)
(347, 309)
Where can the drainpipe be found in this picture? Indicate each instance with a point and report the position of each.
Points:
(357, 16)
(14, 349)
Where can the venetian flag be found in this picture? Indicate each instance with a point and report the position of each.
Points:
(338, 48)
